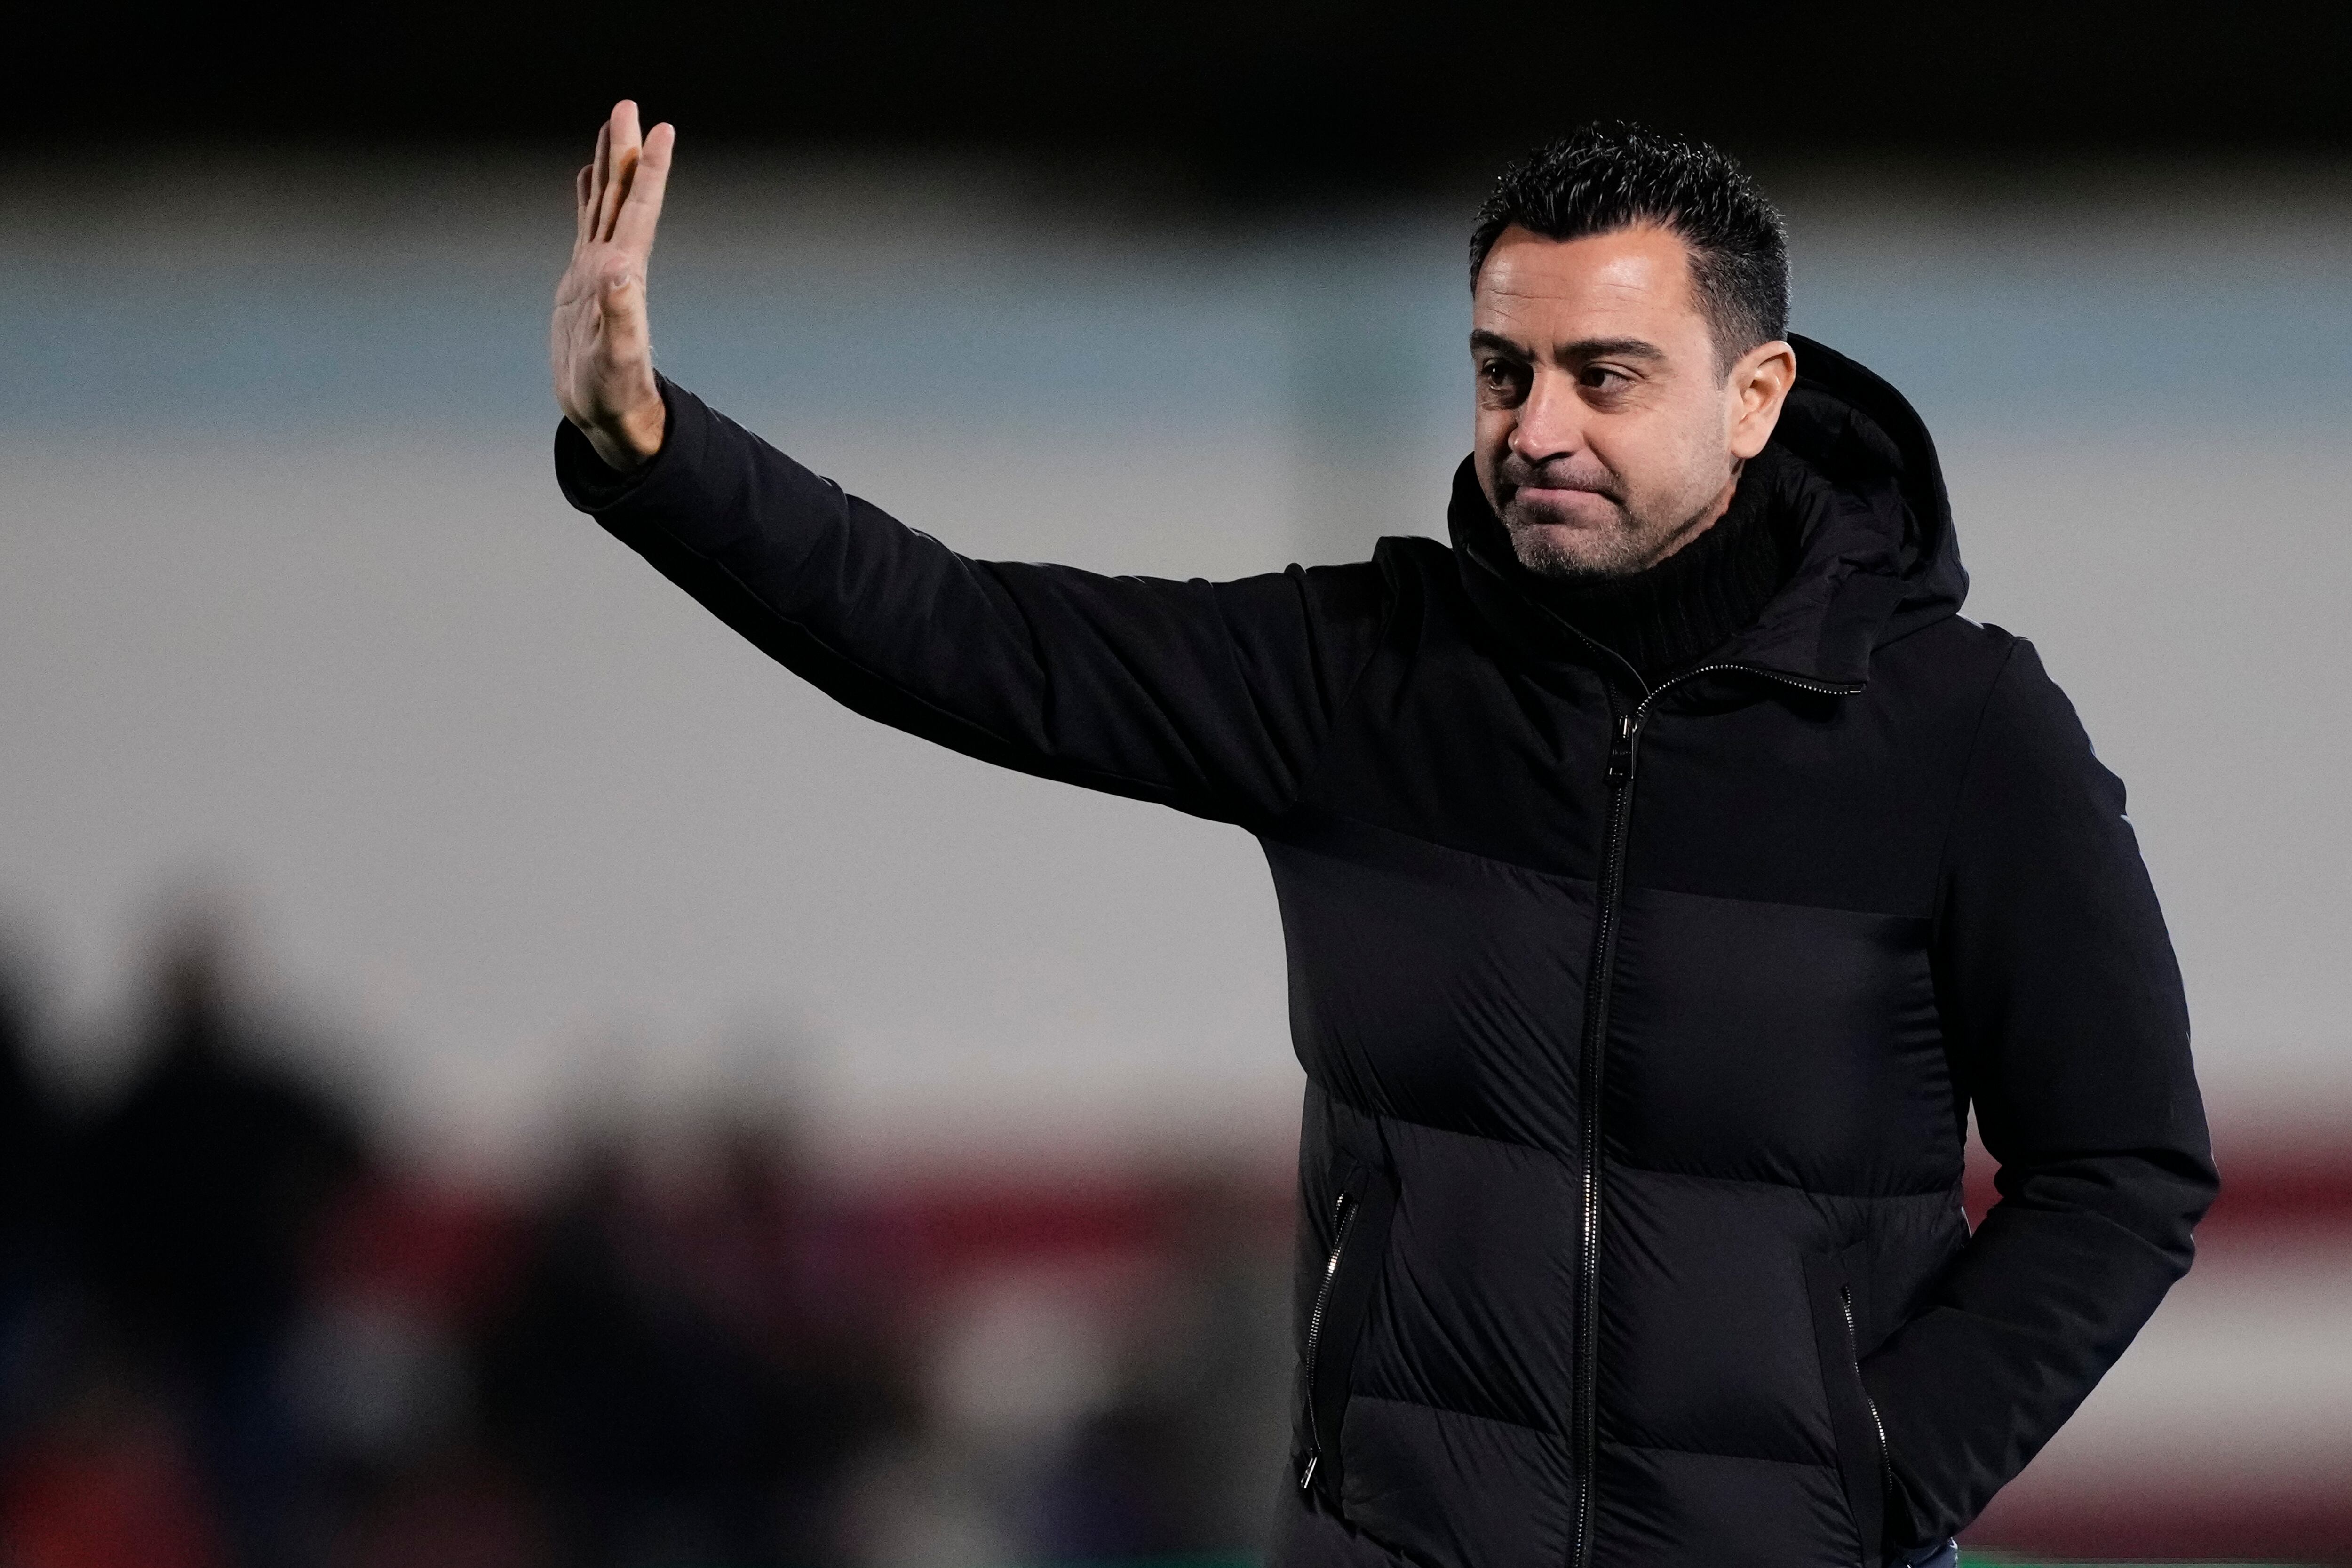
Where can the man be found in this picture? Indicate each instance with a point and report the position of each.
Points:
(1666, 870)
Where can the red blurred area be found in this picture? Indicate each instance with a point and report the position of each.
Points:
(233, 1332)
(2300, 1189)
(115, 1494)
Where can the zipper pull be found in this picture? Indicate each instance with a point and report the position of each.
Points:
(1306, 1475)
(1620, 750)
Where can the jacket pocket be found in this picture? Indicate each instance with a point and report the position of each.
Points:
(1365, 1204)
(1835, 1288)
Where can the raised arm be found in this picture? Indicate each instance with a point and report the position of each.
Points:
(1210, 698)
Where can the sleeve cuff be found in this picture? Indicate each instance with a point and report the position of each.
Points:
(592, 486)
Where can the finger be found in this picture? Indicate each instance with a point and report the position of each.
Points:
(626, 143)
(600, 171)
(628, 148)
(581, 185)
(633, 230)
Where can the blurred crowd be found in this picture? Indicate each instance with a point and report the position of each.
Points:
(236, 1334)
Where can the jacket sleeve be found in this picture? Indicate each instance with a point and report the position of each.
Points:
(1210, 698)
(2064, 1018)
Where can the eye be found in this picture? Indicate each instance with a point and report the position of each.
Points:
(1499, 376)
(1604, 378)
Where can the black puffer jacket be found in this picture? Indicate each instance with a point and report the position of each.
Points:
(1640, 1024)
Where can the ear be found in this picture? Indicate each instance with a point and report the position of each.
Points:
(1758, 385)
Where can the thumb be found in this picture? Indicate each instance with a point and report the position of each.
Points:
(621, 294)
(622, 311)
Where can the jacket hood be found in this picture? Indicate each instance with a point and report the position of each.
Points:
(1852, 459)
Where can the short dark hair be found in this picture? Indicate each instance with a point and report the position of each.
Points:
(1614, 175)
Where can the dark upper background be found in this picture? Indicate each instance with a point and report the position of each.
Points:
(1251, 99)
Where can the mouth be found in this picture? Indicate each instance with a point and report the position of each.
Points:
(1539, 505)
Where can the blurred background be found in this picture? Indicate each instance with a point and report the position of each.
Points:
(494, 1073)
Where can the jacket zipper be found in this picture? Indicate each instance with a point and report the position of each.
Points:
(1624, 746)
(1343, 1218)
(1877, 1427)
(1621, 746)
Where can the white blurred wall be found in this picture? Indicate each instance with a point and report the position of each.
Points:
(288, 602)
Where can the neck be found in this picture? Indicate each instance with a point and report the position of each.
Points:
(1708, 516)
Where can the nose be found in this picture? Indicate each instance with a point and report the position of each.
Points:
(1550, 423)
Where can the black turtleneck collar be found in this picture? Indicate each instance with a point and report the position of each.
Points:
(1853, 505)
(1673, 614)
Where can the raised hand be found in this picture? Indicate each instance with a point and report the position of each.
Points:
(599, 344)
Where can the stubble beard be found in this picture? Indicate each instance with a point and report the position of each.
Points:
(1632, 541)
(1620, 551)
(1627, 543)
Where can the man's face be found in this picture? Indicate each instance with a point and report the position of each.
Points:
(1608, 435)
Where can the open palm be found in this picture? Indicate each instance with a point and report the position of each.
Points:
(600, 345)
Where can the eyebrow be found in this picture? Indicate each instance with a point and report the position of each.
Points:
(1577, 352)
